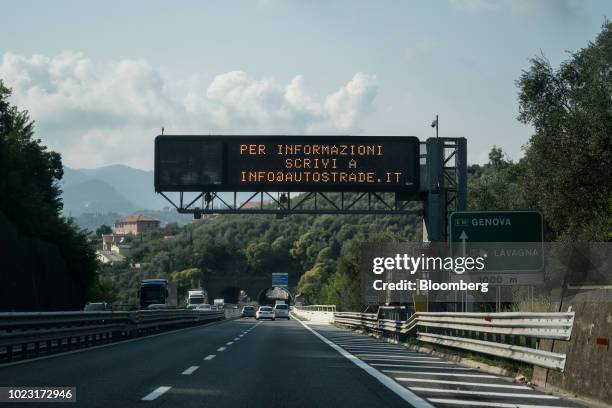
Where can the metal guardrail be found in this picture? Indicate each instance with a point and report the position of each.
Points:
(493, 331)
(537, 357)
(556, 326)
(318, 308)
(25, 334)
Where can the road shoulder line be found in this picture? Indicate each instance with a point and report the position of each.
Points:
(400, 391)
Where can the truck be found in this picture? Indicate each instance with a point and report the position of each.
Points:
(158, 291)
(219, 303)
(196, 297)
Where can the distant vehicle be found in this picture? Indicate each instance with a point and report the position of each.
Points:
(281, 310)
(219, 303)
(157, 306)
(196, 297)
(248, 311)
(95, 307)
(265, 312)
(279, 302)
(157, 291)
(204, 307)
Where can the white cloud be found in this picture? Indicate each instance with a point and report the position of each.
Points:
(98, 113)
(350, 102)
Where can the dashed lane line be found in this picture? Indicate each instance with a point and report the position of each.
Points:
(190, 370)
(156, 393)
(209, 357)
(221, 349)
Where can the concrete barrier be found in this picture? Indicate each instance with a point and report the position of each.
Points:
(587, 368)
(316, 316)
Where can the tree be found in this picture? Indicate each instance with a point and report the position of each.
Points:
(103, 230)
(568, 161)
(30, 194)
(104, 289)
(496, 185)
(496, 157)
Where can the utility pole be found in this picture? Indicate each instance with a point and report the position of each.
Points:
(435, 124)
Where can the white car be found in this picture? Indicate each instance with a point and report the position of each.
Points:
(281, 310)
(265, 312)
(204, 307)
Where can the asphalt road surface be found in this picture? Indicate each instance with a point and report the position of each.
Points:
(245, 363)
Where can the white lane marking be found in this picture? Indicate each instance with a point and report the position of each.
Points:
(190, 370)
(406, 360)
(209, 357)
(237, 338)
(375, 350)
(436, 381)
(156, 393)
(221, 349)
(241, 335)
(486, 404)
(376, 347)
(482, 393)
(229, 343)
(418, 366)
(402, 392)
(398, 356)
(439, 373)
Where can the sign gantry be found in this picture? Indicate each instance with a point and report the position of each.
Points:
(334, 174)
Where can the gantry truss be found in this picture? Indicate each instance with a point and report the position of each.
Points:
(316, 202)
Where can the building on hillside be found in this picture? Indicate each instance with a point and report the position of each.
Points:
(109, 239)
(109, 257)
(121, 249)
(136, 224)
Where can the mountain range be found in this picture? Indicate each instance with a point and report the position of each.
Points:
(102, 195)
(111, 189)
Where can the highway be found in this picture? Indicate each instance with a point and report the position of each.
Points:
(245, 363)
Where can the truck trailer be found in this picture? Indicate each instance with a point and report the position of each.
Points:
(196, 297)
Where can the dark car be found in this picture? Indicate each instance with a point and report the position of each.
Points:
(248, 311)
(95, 307)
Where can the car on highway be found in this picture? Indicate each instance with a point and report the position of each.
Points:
(95, 307)
(281, 311)
(157, 306)
(265, 312)
(204, 306)
(248, 311)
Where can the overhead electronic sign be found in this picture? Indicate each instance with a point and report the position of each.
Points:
(287, 163)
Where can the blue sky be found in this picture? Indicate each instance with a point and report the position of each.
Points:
(101, 78)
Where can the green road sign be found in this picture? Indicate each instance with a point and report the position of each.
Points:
(510, 241)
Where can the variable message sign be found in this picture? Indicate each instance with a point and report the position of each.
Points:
(287, 163)
(280, 280)
(510, 241)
